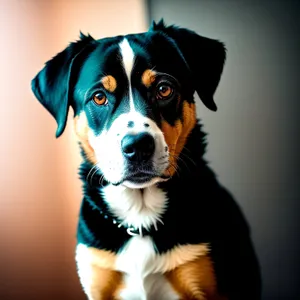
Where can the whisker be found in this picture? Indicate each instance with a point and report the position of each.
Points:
(87, 177)
(180, 159)
(185, 155)
(149, 189)
(163, 163)
(188, 156)
(162, 157)
(101, 179)
(91, 181)
(176, 168)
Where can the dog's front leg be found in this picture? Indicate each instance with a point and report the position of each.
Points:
(97, 277)
(100, 284)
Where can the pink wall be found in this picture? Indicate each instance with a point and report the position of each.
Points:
(39, 187)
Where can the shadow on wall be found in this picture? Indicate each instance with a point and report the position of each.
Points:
(40, 192)
(251, 141)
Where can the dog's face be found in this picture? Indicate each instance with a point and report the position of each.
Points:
(133, 98)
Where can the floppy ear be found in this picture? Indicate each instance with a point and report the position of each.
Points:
(52, 85)
(205, 58)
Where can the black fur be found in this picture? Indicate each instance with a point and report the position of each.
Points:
(207, 67)
(200, 210)
(53, 85)
(73, 72)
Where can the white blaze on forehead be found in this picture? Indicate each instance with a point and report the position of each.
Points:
(128, 63)
(127, 56)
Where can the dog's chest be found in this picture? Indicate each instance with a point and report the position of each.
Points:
(137, 260)
(140, 265)
(136, 271)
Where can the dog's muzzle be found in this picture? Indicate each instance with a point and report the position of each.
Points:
(138, 148)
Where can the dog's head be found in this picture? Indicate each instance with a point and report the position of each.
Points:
(132, 97)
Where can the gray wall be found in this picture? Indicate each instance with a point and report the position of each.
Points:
(253, 137)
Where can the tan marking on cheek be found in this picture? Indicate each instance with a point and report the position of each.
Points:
(148, 77)
(82, 132)
(176, 135)
(171, 134)
(109, 83)
(101, 281)
(195, 280)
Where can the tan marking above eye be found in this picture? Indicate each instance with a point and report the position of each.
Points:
(109, 83)
(148, 77)
(100, 99)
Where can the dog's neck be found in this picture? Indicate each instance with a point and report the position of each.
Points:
(141, 210)
(136, 209)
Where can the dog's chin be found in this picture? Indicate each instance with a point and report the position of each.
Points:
(142, 185)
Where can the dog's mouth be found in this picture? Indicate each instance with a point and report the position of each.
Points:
(141, 179)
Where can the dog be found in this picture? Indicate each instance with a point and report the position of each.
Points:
(154, 223)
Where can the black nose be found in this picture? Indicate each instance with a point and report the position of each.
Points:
(138, 147)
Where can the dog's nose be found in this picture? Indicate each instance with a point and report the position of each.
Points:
(138, 147)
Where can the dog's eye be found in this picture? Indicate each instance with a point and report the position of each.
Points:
(100, 99)
(164, 91)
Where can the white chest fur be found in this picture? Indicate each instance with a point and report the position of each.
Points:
(143, 270)
(136, 208)
(142, 267)
(138, 262)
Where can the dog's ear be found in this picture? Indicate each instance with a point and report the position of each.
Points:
(205, 58)
(52, 85)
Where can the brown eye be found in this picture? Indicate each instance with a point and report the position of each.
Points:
(100, 99)
(164, 91)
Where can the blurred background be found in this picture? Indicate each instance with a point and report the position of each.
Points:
(253, 138)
